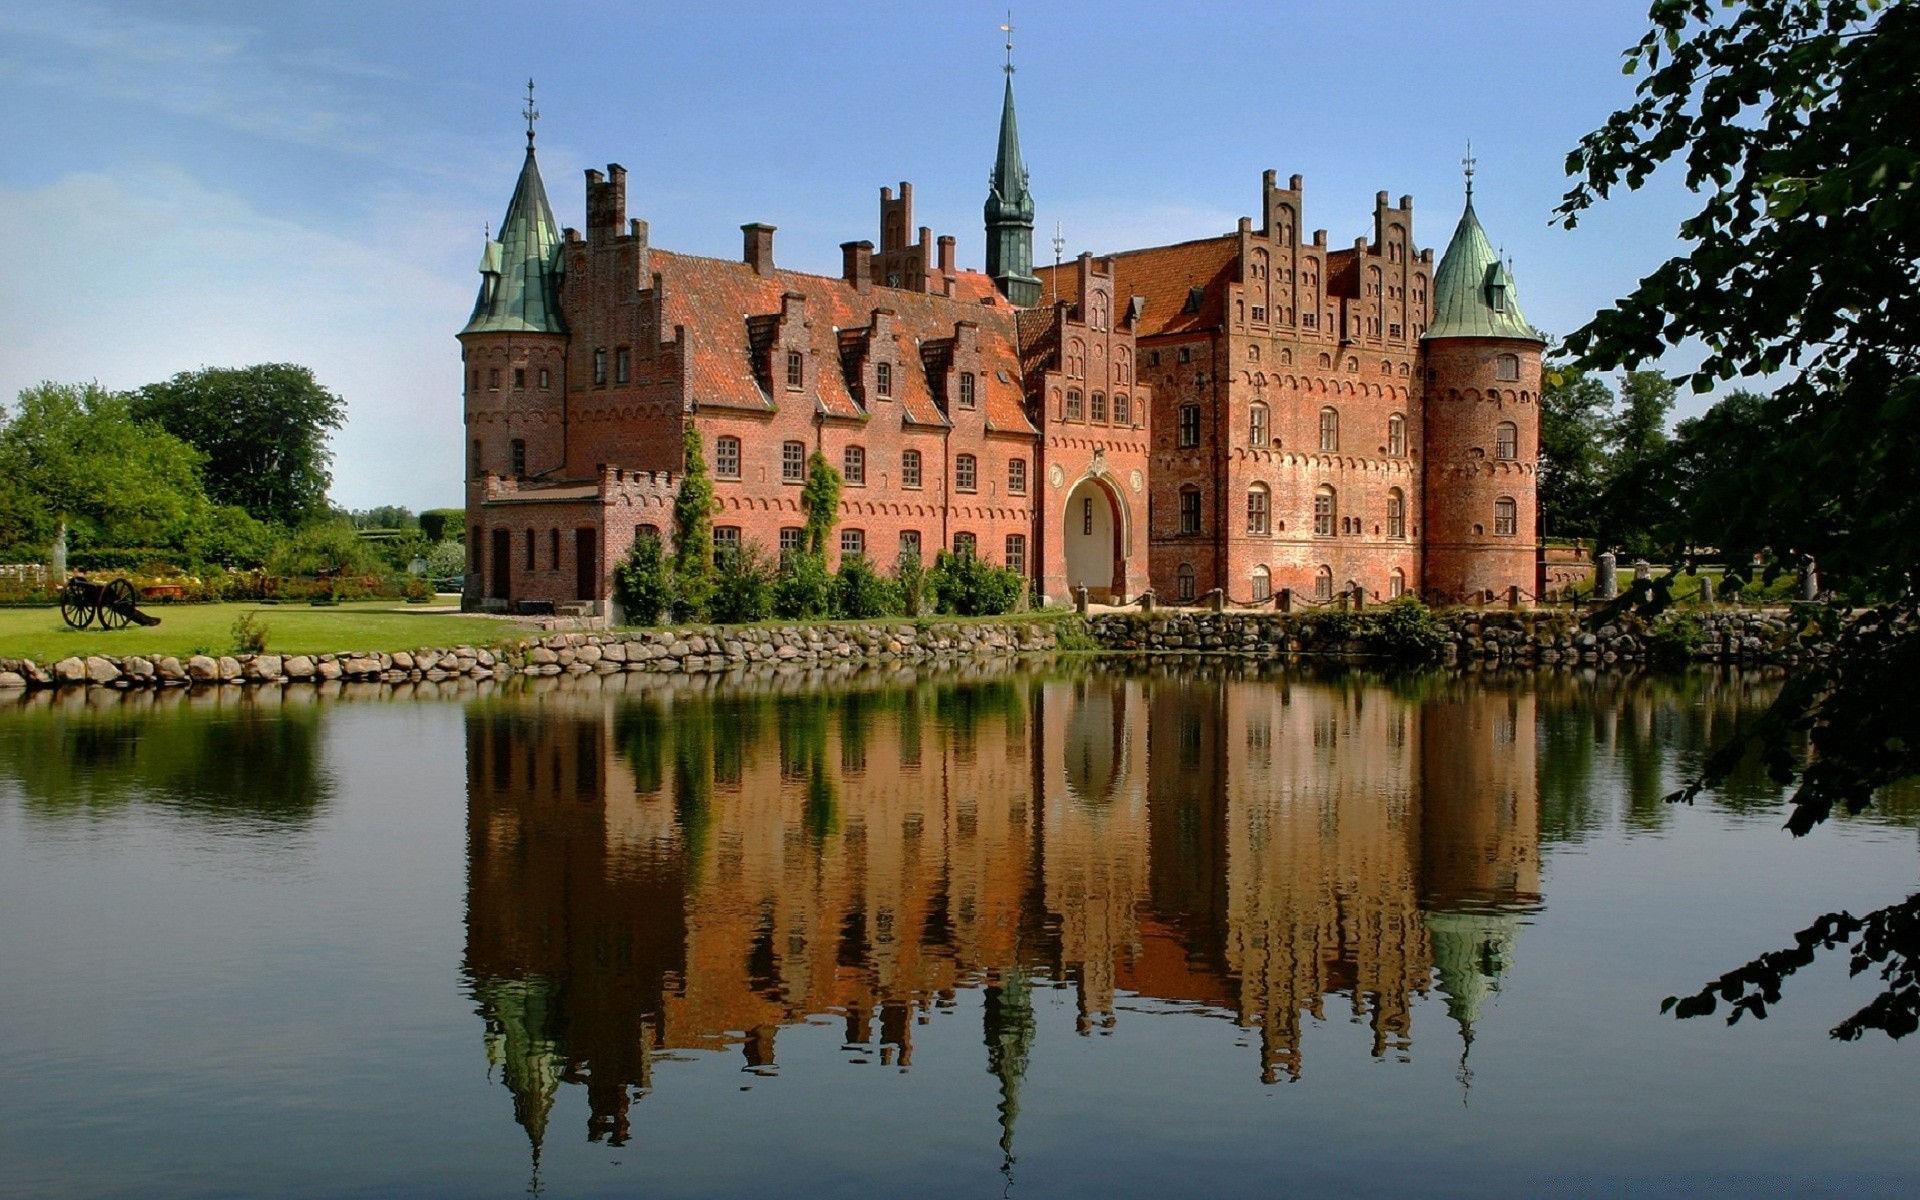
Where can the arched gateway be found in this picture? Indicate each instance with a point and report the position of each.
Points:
(1098, 535)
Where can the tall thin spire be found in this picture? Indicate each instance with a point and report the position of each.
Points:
(1009, 207)
(520, 270)
(531, 113)
(1467, 164)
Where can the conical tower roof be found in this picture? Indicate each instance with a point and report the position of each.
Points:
(520, 268)
(1008, 198)
(1473, 293)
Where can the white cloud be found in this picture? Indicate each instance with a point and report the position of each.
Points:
(138, 275)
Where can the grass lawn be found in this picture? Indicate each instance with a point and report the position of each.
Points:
(184, 629)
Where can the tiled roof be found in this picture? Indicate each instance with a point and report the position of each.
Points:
(715, 298)
(1165, 275)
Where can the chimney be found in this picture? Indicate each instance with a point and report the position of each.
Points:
(946, 254)
(606, 202)
(856, 264)
(757, 249)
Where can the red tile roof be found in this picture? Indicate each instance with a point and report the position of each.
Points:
(1164, 275)
(713, 299)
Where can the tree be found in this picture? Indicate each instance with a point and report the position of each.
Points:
(1793, 119)
(263, 430)
(1573, 412)
(820, 497)
(1635, 505)
(693, 533)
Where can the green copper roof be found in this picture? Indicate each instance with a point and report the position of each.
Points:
(1009, 199)
(1473, 293)
(520, 269)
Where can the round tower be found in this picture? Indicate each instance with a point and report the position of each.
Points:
(1482, 426)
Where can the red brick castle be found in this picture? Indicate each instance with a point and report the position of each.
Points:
(1252, 412)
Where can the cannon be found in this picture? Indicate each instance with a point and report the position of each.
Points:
(113, 604)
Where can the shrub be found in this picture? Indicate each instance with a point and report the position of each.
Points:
(693, 573)
(821, 500)
(1407, 629)
(445, 560)
(743, 587)
(324, 545)
(861, 592)
(443, 524)
(965, 586)
(249, 636)
(1674, 641)
(804, 590)
(911, 578)
(643, 583)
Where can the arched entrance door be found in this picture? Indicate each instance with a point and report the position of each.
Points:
(1095, 525)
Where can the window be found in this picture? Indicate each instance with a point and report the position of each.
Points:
(726, 458)
(1323, 585)
(476, 381)
(910, 543)
(790, 542)
(1185, 589)
(1086, 516)
(643, 533)
(1259, 508)
(1189, 426)
(854, 465)
(910, 469)
(1073, 404)
(1397, 436)
(1190, 510)
(1506, 441)
(1122, 410)
(474, 459)
(1262, 583)
(1153, 358)
(726, 543)
(1098, 412)
(883, 379)
(599, 366)
(622, 365)
(1329, 429)
(519, 378)
(518, 448)
(796, 369)
(493, 378)
(527, 553)
(1017, 552)
(966, 545)
(1506, 517)
(553, 549)
(1396, 584)
(966, 390)
(966, 470)
(852, 541)
(793, 462)
(1506, 368)
(546, 379)
(1323, 512)
(1260, 318)
(1257, 425)
(1396, 513)
(1186, 352)
(1017, 477)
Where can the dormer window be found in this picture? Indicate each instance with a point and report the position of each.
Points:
(883, 380)
(796, 369)
(966, 389)
(1195, 298)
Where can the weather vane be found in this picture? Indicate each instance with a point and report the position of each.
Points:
(531, 113)
(1008, 30)
(1059, 244)
(1468, 162)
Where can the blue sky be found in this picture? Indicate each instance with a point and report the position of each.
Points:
(220, 183)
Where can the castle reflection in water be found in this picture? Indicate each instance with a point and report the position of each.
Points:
(652, 872)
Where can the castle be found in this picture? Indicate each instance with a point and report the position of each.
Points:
(1256, 413)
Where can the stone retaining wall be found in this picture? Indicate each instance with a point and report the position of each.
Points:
(688, 651)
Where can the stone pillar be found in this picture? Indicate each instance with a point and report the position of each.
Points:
(1642, 569)
(1080, 599)
(58, 559)
(1217, 600)
(1283, 600)
(1606, 584)
(1809, 580)
(1513, 596)
(1359, 597)
(1146, 601)
(1706, 590)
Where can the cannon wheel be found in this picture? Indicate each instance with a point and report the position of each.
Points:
(116, 604)
(76, 607)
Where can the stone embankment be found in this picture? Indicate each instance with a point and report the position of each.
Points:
(1468, 636)
(686, 651)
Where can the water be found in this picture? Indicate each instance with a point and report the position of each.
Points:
(1089, 933)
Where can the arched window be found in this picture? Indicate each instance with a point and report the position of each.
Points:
(1073, 404)
(528, 557)
(1259, 509)
(1185, 579)
(966, 472)
(474, 459)
(1396, 584)
(1323, 584)
(1324, 512)
(553, 549)
(1506, 517)
(1396, 436)
(1396, 513)
(1506, 441)
(1262, 583)
(1329, 429)
(1257, 425)
(1506, 368)
(910, 468)
(1189, 510)
(883, 379)
(726, 458)
(854, 464)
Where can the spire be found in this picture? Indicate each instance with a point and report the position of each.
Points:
(1009, 207)
(520, 269)
(1010, 1030)
(1473, 292)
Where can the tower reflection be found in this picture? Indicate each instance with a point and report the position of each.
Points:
(654, 871)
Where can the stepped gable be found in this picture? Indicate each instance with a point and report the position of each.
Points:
(1165, 276)
(714, 300)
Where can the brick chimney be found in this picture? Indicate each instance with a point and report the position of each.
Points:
(757, 249)
(856, 264)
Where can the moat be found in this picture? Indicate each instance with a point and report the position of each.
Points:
(1013, 929)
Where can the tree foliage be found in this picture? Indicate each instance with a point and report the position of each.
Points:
(262, 429)
(1793, 120)
(693, 506)
(820, 497)
(1573, 449)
